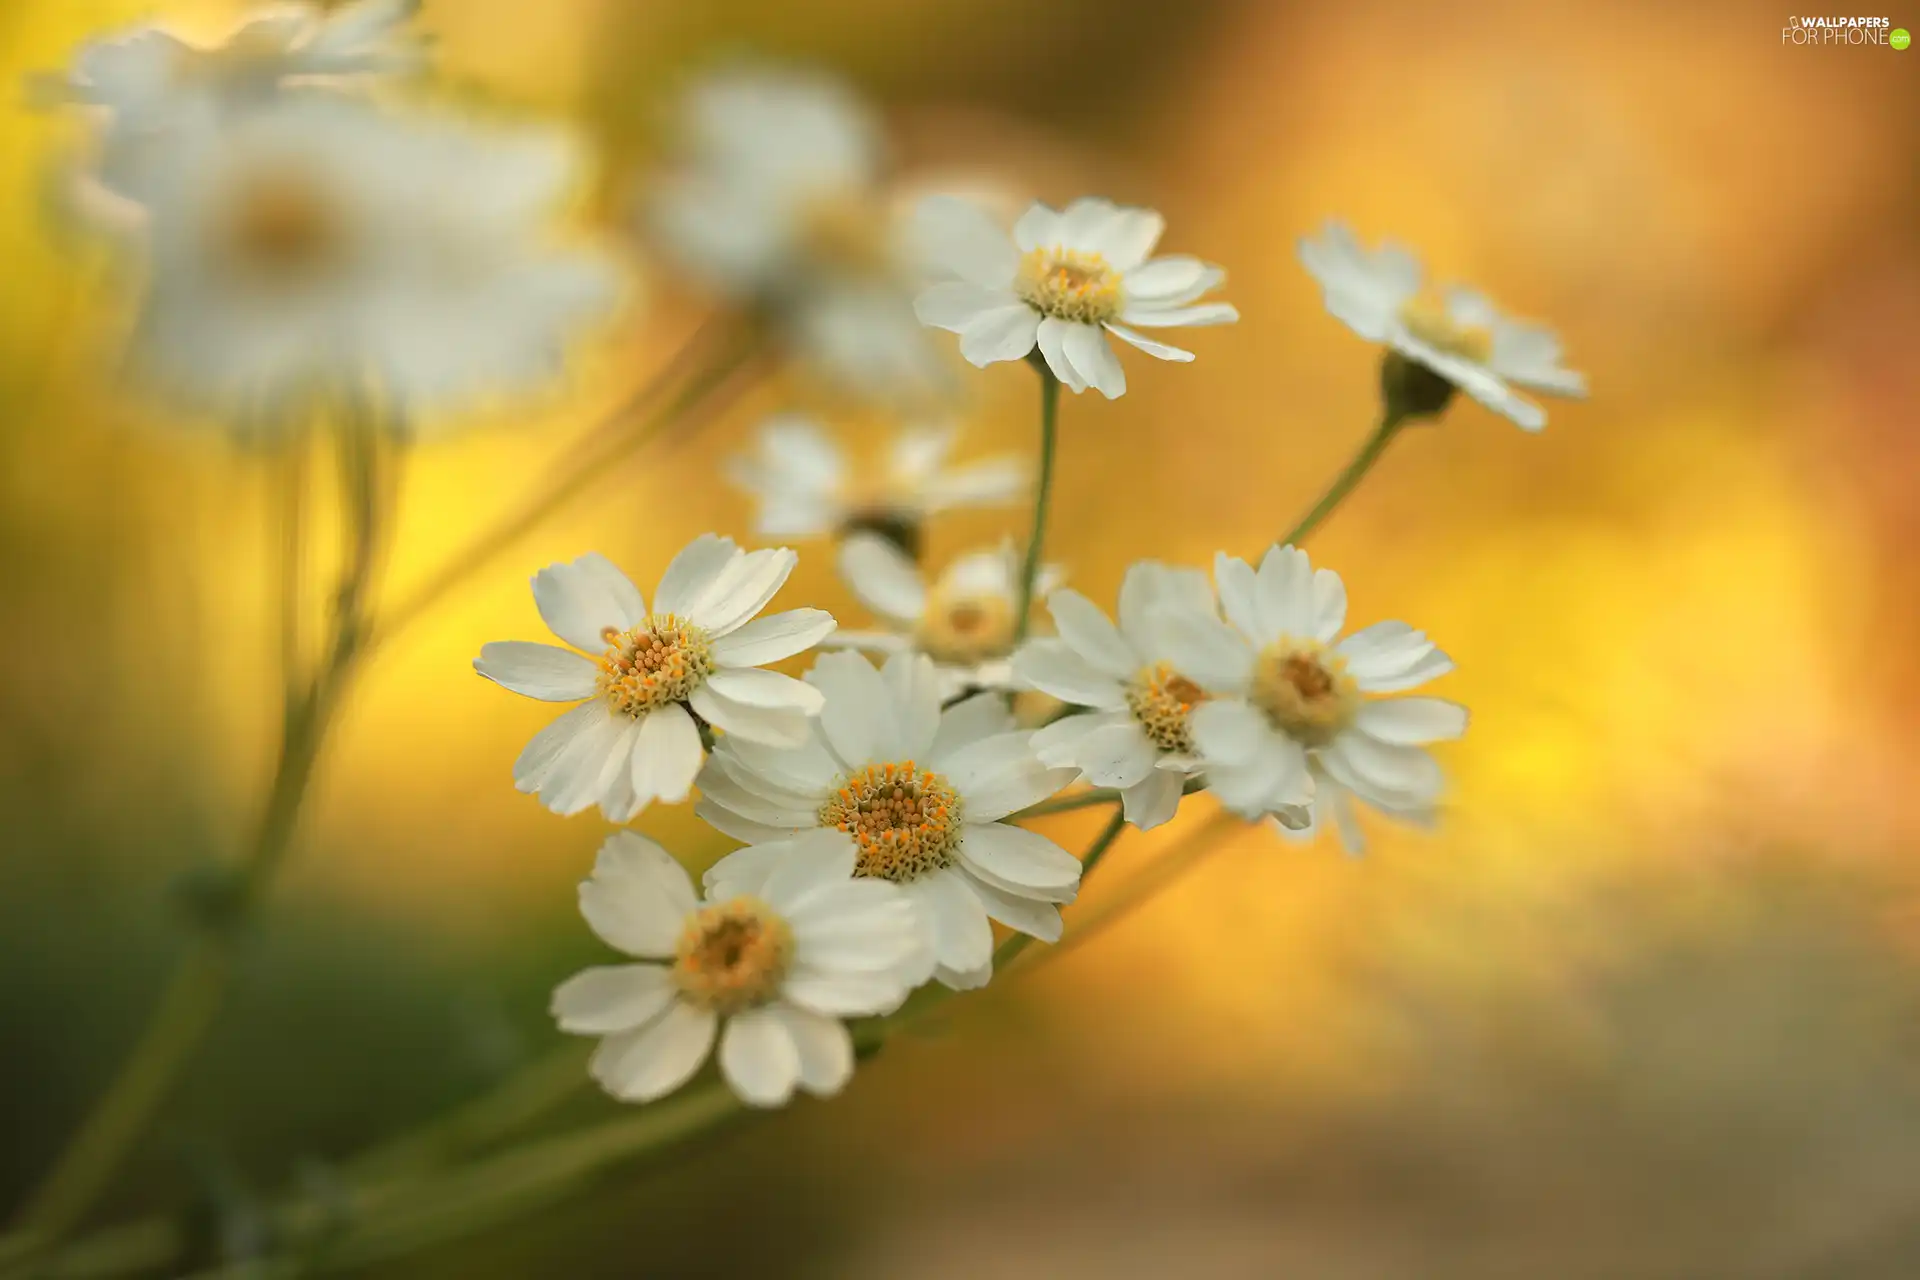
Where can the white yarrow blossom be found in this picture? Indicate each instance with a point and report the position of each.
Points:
(1136, 735)
(1464, 340)
(317, 244)
(964, 619)
(806, 485)
(1289, 704)
(697, 653)
(1062, 281)
(921, 796)
(778, 952)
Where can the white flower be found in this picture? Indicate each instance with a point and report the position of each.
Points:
(778, 201)
(317, 244)
(807, 487)
(1468, 343)
(1138, 737)
(921, 795)
(1290, 703)
(697, 653)
(1062, 280)
(777, 954)
(965, 621)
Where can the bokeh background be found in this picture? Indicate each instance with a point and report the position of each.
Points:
(1646, 1006)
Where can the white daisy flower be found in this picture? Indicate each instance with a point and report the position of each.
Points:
(1289, 703)
(1464, 343)
(922, 796)
(964, 620)
(316, 243)
(1137, 736)
(656, 676)
(1063, 281)
(769, 963)
(779, 202)
(807, 487)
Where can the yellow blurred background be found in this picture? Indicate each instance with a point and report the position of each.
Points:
(1645, 1006)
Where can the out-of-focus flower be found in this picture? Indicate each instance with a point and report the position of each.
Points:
(770, 962)
(919, 793)
(1063, 281)
(1463, 342)
(778, 202)
(1138, 736)
(807, 487)
(965, 621)
(1289, 703)
(316, 244)
(697, 653)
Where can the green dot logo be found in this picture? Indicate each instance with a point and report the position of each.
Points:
(1899, 38)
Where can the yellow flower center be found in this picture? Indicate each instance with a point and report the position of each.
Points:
(1304, 689)
(1162, 699)
(905, 820)
(281, 229)
(661, 661)
(1070, 284)
(1433, 326)
(732, 956)
(964, 629)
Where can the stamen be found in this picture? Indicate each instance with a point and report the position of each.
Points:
(659, 662)
(1433, 326)
(1304, 689)
(732, 956)
(1070, 284)
(904, 820)
(1162, 700)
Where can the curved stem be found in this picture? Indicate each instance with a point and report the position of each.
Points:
(1042, 499)
(1343, 484)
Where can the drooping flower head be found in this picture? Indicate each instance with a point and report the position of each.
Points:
(1461, 342)
(918, 793)
(1062, 281)
(647, 679)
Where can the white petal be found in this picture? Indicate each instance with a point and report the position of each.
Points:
(965, 979)
(824, 1046)
(1154, 799)
(1050, 666)
(742, 590)
(1019, 861)
(692, 572)
(766, 690)
(1159, 350)
(1168, 282)
(730, 823)
(538, 758)
(1027, 915)
(955, 304)
(1239, 587)
(1038, 228)
(917, 695)
(639, 1066)
(1128, 239)
(1004, 334)
(981, 716)
(1086, 347)
(1052, 338)
(1082, 222)
(1058, 744)
(1286, 593)
(954, 919)
(1205, 650)
(1003, 765)
(1229, 732)
(784, 727)
(578, 606)
(638, 898)
(1329, 605)
(1090, 634)
(1117, 756)
(1175, 317)
(858, 719)
(759, 1058)
(542, 671)
(1409, 721)
(1274, 777)
(961, 237)
(884, 578)
(1429, 666)
(612, 998)
(587, 766)
(847, 993)
(776, 636)
(1397, 775)
(667, 756)
(1150, 586)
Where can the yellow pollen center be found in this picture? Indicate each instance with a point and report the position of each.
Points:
(281, 229)
(661, 661)
(1304, 689)
(1162, 699)
(732, 956)
(1433, 326)
(905, 820)
(963, 629)
(1070, 284)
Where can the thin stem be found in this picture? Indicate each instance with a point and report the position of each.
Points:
(1089, 860)
(1343, 484)
(291, 521)
(1042, 499)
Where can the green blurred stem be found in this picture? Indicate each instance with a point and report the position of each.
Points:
(1343, 484)
(1019, 942)
(1042, 500)
(291, 519)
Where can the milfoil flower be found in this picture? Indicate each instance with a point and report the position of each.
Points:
(1462, 342)
(1064, 281)
(921, 796)
(806, 486)
(964, 620)
(316, 244)
(1289, 704)
(1137, 736)
(770, 962)
(697, 653)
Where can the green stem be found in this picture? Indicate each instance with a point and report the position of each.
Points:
(1042, 499)
(1019, 942)
(1343, 484)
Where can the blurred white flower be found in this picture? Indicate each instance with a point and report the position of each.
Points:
(1137, 736)
(696, 653)
(1465, 341)
(1289, 703)
(778, 202)
(1063, 281)
(769, 963)
(964, 621)
(920, 794)
(806, 486)
(316, 244)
